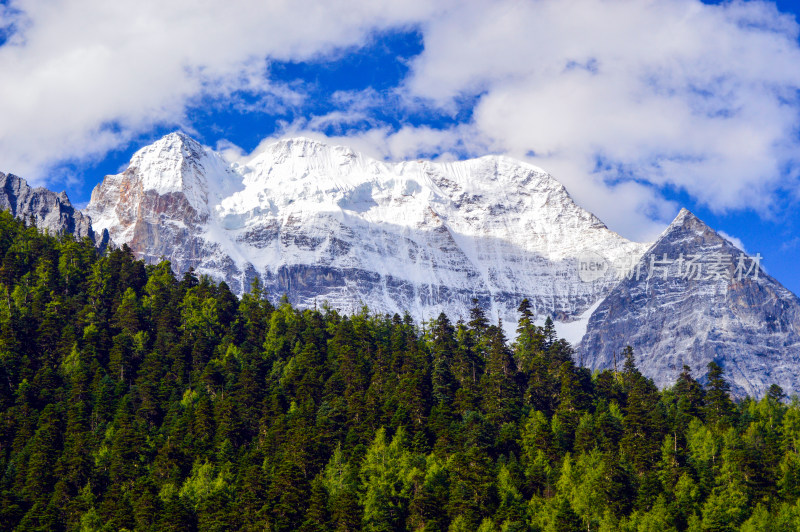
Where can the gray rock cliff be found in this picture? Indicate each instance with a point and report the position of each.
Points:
(48, 210)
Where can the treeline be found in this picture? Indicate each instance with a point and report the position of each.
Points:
(130, 399)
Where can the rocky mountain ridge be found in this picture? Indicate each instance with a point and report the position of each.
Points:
(46, 209)
(694, 297)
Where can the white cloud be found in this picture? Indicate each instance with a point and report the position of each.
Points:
(616, 98)
(659, 93)
(733, 240)
(791, 244)
(82, 77)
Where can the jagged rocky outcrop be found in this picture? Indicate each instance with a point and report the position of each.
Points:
(162, 202)
(693, 298)
(46, 209)
(323, 223)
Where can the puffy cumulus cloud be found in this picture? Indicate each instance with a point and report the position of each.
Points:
(624, 99)
(379, 142)
(733, 240)
(82, 77)
(621, 100)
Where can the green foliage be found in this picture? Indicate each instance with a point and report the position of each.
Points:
(130, 399)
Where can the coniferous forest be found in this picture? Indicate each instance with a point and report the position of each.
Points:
(131, 399)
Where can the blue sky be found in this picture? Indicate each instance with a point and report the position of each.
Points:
(638, 108)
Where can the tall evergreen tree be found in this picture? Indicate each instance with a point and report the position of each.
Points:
(719, 407)
(501, 395)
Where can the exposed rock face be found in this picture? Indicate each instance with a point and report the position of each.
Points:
(719, 309)
(323, 223)
(48, 210)
(160, 203)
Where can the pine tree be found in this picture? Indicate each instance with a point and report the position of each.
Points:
(574, 399)
(642, 431)
(499, 383)
(473, 489)
(529, 347)
(317, 518)
(341, 483)
(775, 393)
(565, 518)
(287, 497)
(387, 488)
(549, 333)
(468, 368)
(129, 313)
(719, 407)
(477, 317)
(43, 452)
(429, 499)
(690, 397)
(444, 348)
(126, 444)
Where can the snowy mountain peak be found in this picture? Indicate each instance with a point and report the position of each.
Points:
(302, 146)
(686, 227)
(685, 218)
(174, 152)
(304, 151)
(320, 221)
(180, 139)
(178, 164)
(175, 179)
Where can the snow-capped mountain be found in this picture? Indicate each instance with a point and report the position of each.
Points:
(323, 223)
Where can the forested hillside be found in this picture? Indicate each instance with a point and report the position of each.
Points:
(130, 399)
